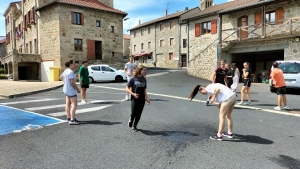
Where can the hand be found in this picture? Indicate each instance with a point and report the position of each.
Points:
(135, 95)
(148, 101)
(219, 106)
(212, 100)
(78, 91)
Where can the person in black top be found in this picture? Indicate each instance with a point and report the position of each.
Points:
(247, 84)
(137, 88)
(230, 75)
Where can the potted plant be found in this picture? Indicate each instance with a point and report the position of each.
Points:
(32, 22)
(28, 25)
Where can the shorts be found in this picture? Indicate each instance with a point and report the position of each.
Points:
(229, 102)
(247, 82)
(85, 86)
(281, 90)
(71, 96)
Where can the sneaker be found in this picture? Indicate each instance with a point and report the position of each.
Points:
(286, 108)
(227, 135)
(134, 129)
(277, 108)
(248, 103)
(130, 123)
(76, 120)
(216, 138)
(85, 100)
(207, 103)
(73, 122)
(68, 119)
(240, 103)
(126, 97)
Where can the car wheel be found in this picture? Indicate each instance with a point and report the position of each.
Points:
(272, 89)
(91, 79)
(119, 79)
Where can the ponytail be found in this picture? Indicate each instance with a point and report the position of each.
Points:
(194, 92)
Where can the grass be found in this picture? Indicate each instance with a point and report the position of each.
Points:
(2, 76)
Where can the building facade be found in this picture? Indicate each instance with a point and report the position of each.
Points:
(46, 33)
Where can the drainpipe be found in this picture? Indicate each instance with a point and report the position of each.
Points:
(36, 28)
(24, 24)
(219, 47)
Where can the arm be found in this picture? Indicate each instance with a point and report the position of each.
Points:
(74, 85)
(225, 80)
(246, 74)
(213, 78)
(130, 92)
(146, 96)
(217, 90)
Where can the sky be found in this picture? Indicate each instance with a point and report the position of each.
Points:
(144, 10)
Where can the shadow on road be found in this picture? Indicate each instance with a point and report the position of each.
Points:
(167, 133)
(98, 122)
(286, 161)
(158, 100)
(106, 103)
(250, 139)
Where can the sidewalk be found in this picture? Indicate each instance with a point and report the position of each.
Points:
(11, 89)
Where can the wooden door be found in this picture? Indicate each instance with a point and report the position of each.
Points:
(242, 26)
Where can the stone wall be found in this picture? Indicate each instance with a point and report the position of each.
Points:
(2, 50)
(293, 52)
(109, 3)
(126, 47)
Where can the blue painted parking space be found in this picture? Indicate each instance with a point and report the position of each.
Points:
(16, 120)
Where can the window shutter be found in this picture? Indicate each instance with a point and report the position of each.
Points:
(257, 19)
(33, 14)
(91, 52)
(279, 16)
(197, 29)
(82, 19)
(72, 17)
(25, 21)
(214, 26)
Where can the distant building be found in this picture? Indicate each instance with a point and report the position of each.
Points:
(126, 45)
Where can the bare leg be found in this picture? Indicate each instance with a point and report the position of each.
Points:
(279, 100)
(68, 107)
(284, 99)
(223, 112)
(242, 93)
(248, 94)
(229, 119)
(83, 93)
(73, 108)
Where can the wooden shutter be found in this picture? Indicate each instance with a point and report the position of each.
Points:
(72, 17)
(82, 18)
(279, 15)
(214, 25)
(91, 52)
(257, 19)
(33, 14)
(25, 21)
(197, 29)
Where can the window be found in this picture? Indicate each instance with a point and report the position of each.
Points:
(142, 32)
(33, 14)
(149, 45)
(112, 54)
(26, 51)
(35, 49)
(290, 67)
(78, 44)
(171, 24)
(30, 45)
(29, 17)
(77, 18)
(170, 56)
(206, 28)
(270, 17)
(161, 43)
(112, 29)
(134, 47)
(96, 68)
(149, 30)
(171, 41)
(184, 43)
(106, 69)
(142, 46)
(161, 27)
(98, 24)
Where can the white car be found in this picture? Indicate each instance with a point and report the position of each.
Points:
(101, 73)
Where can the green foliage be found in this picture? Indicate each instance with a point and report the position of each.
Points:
(2, 71)
(3, 76)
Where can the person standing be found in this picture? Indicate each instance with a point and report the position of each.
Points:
(230, 75)
(137, 88)
(226, 99)
(277, 79)
(236, 77)
(69, 89)
(129, 68)
(247, 84)
(83, 76)
(220, 76)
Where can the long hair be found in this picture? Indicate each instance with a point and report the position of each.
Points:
(194, 92)
(138, 70)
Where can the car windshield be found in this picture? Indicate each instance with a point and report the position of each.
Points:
(289, 67)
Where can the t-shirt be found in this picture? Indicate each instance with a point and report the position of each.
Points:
(68, 89)
(224, 94)
(230, 73)
(220, 75)
(278, 78)
(84, 75)
(247, 70)
(138, 86)
(130, 67)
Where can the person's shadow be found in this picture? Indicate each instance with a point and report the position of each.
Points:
(249, 139)
(166, 133)
(99, 122)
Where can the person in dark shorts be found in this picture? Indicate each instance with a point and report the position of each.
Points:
(230, 75)
(137, 88)
(247, 84)
(220, 76)
(83, 76)
(277, 79)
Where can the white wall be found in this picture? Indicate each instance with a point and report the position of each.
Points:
(45, 70)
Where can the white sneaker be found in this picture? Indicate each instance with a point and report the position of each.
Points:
(286, 108)
(85, 100)
(126, 97)
(82, 102)
(277, 108)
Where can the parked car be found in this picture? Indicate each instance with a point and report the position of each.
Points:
(101, 73)
(291, 73)
(9, 76)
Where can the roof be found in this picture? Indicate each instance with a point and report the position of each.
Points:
(19, 3)
(174, 15)
(227, 6)
(85, 3)
(125, 36)
(2, 39)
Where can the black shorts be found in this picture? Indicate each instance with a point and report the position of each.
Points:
(281, 90)
(71, 96)
(247, 82)
(85, 86)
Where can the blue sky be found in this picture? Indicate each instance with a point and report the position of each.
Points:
(144, 10)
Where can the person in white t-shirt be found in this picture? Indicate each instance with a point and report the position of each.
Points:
(70, 89)
(226, 99)
(129, 68)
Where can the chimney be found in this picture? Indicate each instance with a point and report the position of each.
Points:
(166, 12)
(186, 8)
(205, 4)
(139, 21)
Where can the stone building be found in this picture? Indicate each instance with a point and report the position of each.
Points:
(254, 31)
(2, 48)
(158, 42)
(126, 45)
(46, 33)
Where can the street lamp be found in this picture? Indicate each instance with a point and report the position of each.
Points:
(126, 19)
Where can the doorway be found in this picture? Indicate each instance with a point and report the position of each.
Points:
(183, 60)
(243, 22)
(98, 50)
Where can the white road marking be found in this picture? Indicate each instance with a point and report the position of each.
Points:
(85, 110)
(27, 101)
(196, 100)
(157, 74)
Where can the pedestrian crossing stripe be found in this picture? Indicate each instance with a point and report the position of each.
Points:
(27, 101)
(78, 111)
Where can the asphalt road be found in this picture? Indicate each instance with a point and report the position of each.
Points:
(173, 132)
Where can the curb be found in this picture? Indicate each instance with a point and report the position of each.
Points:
(31, 92)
